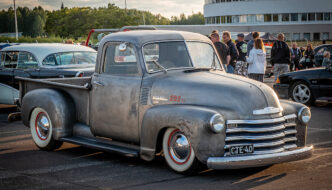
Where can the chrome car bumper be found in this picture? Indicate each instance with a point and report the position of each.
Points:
(236, 162)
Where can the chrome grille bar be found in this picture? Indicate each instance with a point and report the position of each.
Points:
(256, 130)
(258, 137)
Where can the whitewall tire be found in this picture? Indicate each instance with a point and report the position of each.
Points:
(178, 152)
(41, 130)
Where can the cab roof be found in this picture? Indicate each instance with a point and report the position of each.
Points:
(141, 37)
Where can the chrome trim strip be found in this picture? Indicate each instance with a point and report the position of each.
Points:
(290, 131)
(253, 138)
(290, 146)
(266, 111)
(256, 130)
(290, 125)
(259, 160)
(291, 116)
(262, 121)
(289, 139)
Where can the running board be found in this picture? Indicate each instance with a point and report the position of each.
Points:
(95, 144)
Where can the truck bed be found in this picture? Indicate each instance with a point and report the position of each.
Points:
(78, 88)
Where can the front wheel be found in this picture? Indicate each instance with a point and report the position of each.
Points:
(301, 92)
(179, 153)
(41, 130)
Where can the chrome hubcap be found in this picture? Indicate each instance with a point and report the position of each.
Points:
(301, 93)
(42, 126)
(179, 147)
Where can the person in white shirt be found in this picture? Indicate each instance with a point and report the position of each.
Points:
(257, 61)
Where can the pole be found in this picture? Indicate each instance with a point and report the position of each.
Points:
(15, 21)
(126, 6)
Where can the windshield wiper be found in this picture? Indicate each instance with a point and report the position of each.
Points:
(160, 66)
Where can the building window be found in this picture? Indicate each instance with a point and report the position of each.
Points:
(229, 19)
(304, 17)
(319, 16)
(222, 20)
(275, 18)
(311, 16)
(294, 17)
(326, 36)
(296, 36)
(327, 16)
(218, 19)
(306, 36)
(243, 19)
(285, 17)
(268, 18)
(213, 20)
(316, 36)
(260, 18)
(236, 19)
(251, 18)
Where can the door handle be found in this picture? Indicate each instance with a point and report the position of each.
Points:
(98, 83)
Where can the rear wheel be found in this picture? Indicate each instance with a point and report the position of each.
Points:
(41, 130)
(179, 153)
(301, 92)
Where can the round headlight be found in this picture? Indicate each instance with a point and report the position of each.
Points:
(304, 115)
(217, 123)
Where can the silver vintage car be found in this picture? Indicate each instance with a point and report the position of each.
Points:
(166, 92)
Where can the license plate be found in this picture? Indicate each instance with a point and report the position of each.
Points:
(241, 150)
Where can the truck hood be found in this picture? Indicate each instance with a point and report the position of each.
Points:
(237, 96)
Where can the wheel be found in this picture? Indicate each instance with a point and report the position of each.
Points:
(301, 92)
(41, 130)
(179, 153)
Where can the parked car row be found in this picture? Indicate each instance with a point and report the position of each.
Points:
(42, 61)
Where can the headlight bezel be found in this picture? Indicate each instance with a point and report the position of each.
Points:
(215, 125)
(300, 115)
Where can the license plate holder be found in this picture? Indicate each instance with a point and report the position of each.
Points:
(241, 149)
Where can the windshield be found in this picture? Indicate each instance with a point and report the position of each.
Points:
(172, 55)
(70, 59)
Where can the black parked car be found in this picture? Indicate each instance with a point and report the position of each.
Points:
(306, 86)
(42, 61)
(319, 51)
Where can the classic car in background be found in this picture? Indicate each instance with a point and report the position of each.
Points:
(166, 91)
(306, 86)
(319, 54)
(42, 61)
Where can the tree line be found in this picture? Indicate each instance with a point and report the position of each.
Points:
(78, 21)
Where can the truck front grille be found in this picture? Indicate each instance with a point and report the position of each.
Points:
(267, 136)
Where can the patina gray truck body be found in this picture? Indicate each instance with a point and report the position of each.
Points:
(129, 112)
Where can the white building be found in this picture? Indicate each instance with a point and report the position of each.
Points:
(297, 19)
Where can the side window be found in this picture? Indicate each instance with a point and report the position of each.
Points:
(11, 59)
(2, 59)
(120, 59)
(67, 58)
(26, 61)
(50, 60)
(321, 51)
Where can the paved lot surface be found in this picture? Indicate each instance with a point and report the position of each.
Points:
(24, 166)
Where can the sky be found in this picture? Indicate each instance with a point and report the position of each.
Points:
(166, 8)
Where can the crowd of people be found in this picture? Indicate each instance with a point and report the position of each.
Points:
(249, 59)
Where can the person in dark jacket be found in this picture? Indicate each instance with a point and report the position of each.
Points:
(250, 45)
(222, 49)
(309, 56)
(280, 57)
(296, 55)
(241, 67)
(226, 36)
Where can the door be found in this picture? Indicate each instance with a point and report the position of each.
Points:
(326, 82)
(115, 94)
(8, 64)
(27, 66)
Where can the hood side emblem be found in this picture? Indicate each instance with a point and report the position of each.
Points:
(267, 110)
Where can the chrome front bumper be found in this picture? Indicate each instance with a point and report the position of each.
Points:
(236, 162)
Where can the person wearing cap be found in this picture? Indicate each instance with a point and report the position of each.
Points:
(222, 49)
(241, 67)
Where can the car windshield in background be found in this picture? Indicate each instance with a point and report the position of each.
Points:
(70, 58)
(172, 55)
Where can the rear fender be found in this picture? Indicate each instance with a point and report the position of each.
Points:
(58, 105)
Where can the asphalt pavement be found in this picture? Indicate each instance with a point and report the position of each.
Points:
(24, 166)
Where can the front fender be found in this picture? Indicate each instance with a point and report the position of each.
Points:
(193, 121)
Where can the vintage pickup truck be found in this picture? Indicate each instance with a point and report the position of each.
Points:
(166, 93)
